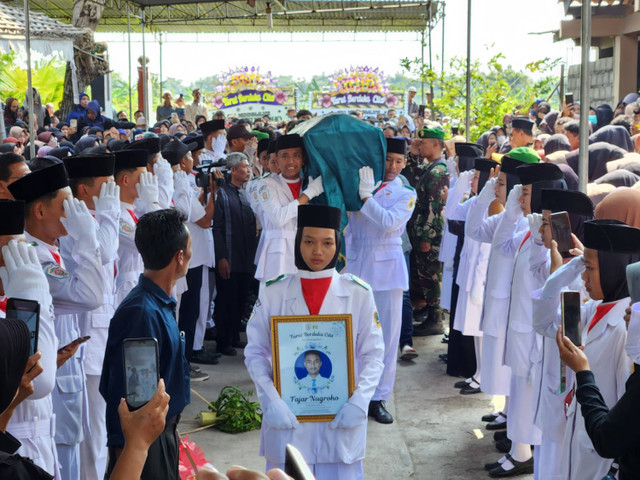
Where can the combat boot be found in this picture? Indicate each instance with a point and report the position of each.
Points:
(432, 325)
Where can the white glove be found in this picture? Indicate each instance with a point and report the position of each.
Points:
(314, 188)
(181, 182)
(535, 222)
(22, 275)
(477, 293)
(464, 181)
(349, 416)
(163, 171)
(109, 199)
(451, 167)
(279, 416)
(367, 182)
(147, 188)
(512, 210)
(562, 277)
(632, 345)
(79, 223)
(488, 193)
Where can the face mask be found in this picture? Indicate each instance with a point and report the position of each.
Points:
(632, 345)
(501, 139)
(593, 119)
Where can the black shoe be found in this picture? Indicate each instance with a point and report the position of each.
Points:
(495, 425)
(504, 445)
(445, 338)
(205, 358)
(420, 311)
(228, 351)
(239, 344)
(490, 417)
(519, 468)
(210, 333)
(497, 436)
(469, 390)
(461, 384)
(427, 328)
(444, 357)
(490, 466)
(378, 411)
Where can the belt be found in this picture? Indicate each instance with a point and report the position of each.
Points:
(38, 427)
(269, 234)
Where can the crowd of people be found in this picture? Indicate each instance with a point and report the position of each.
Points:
(192, 228)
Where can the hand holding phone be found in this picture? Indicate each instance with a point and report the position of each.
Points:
(571, 324)
(561, 232)
(421, 109)
(141, 377)
(76, 343)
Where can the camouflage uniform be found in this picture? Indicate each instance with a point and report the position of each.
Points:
(427, 225)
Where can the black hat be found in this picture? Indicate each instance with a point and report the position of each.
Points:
(558, 200)
(273, 144)
(174, 151)
(509, 165)
(396, 145)
(150, 144)
(90, 165)
(59, 152)
(12, 214)
(39, 183)
(198, 140)
(211, 126)
(239, 131)
(263, 145)
(126, 159)
(319, 216)
(115, 145)
(611, 236)
(289, 141)
(484, 164)
(522, 123)
(539, 172)
(164, 139)
(471, 150)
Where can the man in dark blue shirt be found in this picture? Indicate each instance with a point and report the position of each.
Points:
(149, 311)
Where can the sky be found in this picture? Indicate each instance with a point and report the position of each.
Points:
(506, 26)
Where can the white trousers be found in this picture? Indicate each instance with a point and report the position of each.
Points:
(547, 460)
(69, 458)
(389, 305)
(496, 377)
(523, 402)
(331, 471)
(93, 448)
(205, 301)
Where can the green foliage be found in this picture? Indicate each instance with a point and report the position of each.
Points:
(46, 75)
(496, 90)
(235, 413)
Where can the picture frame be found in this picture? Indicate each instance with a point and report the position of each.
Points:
(313, 367)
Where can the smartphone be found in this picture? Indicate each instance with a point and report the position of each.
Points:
(295, 465)
(568, 99)
(421, 110)
(141, 377)
(561, 232)
(29, 312)
(73, 123)
(77, 341)
(633, 281)
(571, 325)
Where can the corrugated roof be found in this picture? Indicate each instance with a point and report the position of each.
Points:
(235, 16)
(12, 23)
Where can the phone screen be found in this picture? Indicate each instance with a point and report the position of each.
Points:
(29, 312)
(421, 110)
(561, 232)
(571, 325)
(73, 123)
(633, 281)
(140, 370)
(568, 98)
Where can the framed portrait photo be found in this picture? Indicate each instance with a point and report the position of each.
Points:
(313, 364)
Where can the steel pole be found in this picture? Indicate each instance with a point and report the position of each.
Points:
(27, 31)
(585, 85)
(129, 41)
(468, 118)
(422, 67)
(430, 54)
(442, 53)
(144, 70)
(161, 92)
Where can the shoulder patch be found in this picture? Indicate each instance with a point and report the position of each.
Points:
(411, 203)
(359, 281)
(409, 187)
(263, 193)
(376, 319)
(126, 228)
(275, 280)
(56, 271)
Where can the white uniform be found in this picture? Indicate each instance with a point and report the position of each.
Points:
(93, 448)
(251, 191)
(445, 255)
(374, 253)
(33, 420)
(280, 215)
(73, 293)
(344, 448)
(130, 264)
(523, 351)
(496, 377)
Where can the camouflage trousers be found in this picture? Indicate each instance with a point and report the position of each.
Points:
(425, 276)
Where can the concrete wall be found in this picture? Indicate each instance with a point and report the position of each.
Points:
(602, 82)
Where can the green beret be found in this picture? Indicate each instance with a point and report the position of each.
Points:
(524, 154)
(431, 133)
(260, 135)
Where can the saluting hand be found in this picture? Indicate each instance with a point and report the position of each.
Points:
(78, 221)
(109, 199)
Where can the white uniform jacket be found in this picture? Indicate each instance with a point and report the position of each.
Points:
(252, 188)
(187, 203)
(315, 440)
(279, 212)
(73, 293)
(373, 237)
(130, 264)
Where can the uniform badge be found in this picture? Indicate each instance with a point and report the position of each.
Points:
(411, 204)
(56, 271)
(376, 319)
(126, 228)
(263, 193)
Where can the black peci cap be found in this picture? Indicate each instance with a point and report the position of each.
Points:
(611, 236)
(538, 172)
(472, 150)
(558, 200)
(319, 216)
(484, 164)
(211, 126)
(128, 159)
(396, 145)
(522, 123)
(174, 151)
(289, 141)
(40, 183)
(90, 165)
(150, 144)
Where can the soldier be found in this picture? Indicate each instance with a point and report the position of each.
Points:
(427, 229)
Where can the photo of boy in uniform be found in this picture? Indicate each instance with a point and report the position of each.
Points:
(314, 381)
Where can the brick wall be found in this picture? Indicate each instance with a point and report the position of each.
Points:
(601, 73)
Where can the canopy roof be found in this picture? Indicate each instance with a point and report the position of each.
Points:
(250, 16)
(12, 24)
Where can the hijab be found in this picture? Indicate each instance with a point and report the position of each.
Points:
(599, 154)
(556, 143)
(615, 135)
(619, 178)
(321, 216)
(613, 274)
(84, 143)
(550, 121)
(483, 140)
(622, 204)
(94, 106)
(15, 342)
(604, 113)
(9, 116)
(570, 177)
